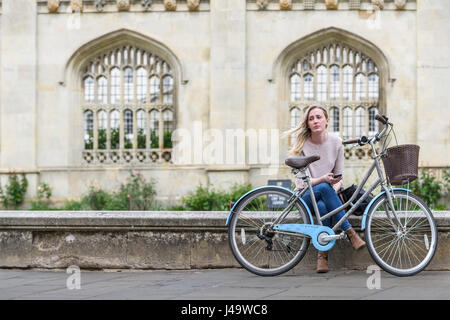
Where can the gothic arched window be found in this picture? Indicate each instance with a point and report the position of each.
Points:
(343, 80)
(128, 105)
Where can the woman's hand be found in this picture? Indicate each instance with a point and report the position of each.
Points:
(329, 179)
(337, 186)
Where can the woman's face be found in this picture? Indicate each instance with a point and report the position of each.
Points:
(317, 121)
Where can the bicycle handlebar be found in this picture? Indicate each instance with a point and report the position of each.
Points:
(361, 141)
(351, 141)
(383, 119)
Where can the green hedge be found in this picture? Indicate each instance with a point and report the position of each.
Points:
(205, 198)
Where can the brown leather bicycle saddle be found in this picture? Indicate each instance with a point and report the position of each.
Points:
(300, 162)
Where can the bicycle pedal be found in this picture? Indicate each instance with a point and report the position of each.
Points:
(344, 236)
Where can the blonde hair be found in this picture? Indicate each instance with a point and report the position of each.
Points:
(302, 132)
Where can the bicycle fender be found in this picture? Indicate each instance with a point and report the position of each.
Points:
(363, 223)
(231, 212)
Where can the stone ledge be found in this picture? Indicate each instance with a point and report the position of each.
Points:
(130, 220)
(150, 240)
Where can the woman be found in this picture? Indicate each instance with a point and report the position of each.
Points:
(312, 138)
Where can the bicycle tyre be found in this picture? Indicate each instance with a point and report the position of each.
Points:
(406, 251)
(248, 221)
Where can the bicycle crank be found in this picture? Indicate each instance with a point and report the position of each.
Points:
(323, 238)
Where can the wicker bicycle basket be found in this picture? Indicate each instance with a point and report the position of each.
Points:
(401, 163)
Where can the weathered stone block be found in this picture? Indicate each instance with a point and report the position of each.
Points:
(211, 249)
(441, 257)
(60, 249)
(159, 250)
(15, 248)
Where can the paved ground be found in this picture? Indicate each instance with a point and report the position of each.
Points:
(219, 284)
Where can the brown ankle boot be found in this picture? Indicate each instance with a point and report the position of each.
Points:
(357, 242)
(322, 262)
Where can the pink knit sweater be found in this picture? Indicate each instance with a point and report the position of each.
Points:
(331, 154)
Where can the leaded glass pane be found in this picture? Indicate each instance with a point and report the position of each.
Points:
(128, 129)
(167, 89)
(360, 122)
(102, 127)
(373, 86)
(128, 83)
(347, 123)
(348, 83)
(102, 90)
(360, 89)
(154, 129)
(373, 124)
(321, 83)
(88, 129)
(295, 117)
(308, 87)
(296, 92)
(334, 119)
(141, 135)
(115, 129)
(89, 89)
(155, 89)
(115, 85)
(141, 85)
(168, 128)
(335, 85)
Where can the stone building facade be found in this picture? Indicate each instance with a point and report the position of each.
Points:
(192, 92)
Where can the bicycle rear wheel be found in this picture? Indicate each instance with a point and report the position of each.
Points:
(254, 244)
(406, 250)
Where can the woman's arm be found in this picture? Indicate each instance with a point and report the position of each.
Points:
(315, 181)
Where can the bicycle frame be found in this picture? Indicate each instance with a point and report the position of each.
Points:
(380, 181)
(269, 242)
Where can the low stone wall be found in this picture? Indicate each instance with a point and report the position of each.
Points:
(151, 240)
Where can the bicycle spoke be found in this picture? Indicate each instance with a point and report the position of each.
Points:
(250, 221)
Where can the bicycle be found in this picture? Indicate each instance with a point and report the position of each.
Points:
(270, 228)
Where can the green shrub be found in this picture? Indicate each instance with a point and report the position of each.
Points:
(167, 139)
(115, 138)
(237, 191)
(74, 205)
(102, 139)
(14, 195)
(430, 189)
(89, 142)
(96, 199)
(176, 208)
(141, 139)
(208, 199)
(42, 202)
(202, 199)
(136, 194)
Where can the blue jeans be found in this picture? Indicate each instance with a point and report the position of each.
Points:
(327, 200)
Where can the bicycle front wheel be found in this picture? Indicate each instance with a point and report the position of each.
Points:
(406, 249)
(254, 244)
